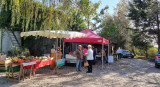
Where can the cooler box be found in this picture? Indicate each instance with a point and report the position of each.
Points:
(110, 59)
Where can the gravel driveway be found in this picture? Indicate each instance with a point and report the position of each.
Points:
(125, 73)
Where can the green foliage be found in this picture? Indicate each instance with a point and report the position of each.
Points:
(145, 15)
(14, 51)
(152, 52)
(28, 15)
(115, 28)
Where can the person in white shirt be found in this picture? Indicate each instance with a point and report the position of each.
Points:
(90, 58)
(119, 51)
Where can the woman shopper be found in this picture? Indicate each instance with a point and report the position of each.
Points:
(79, 56)
(84, 52)
(90, 58)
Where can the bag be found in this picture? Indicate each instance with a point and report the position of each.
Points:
(86, 64)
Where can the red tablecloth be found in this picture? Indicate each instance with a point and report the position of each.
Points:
(40, 64)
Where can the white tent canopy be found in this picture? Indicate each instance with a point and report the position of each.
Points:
(54, 34)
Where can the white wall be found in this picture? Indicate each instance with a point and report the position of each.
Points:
(7, 44)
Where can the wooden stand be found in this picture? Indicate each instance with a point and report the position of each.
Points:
(12, 74)
(59, 56)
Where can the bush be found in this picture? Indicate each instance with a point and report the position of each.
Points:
(152, 52)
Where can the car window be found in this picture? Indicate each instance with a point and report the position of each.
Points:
(127, 52)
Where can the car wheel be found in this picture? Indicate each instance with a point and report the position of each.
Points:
(132, 56)
(156, 66)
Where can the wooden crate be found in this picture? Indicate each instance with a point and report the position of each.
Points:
(3, 67)
(4, 64)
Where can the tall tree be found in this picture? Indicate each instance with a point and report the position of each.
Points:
(116, 27)
(123, 23)
(146, 17)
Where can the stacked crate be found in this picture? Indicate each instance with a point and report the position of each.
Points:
(4, 64)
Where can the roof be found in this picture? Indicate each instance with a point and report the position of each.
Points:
(90, 38)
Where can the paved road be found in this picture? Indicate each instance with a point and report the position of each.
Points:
(125, 73)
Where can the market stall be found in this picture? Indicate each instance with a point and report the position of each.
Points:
(54, 60)
(92, 38)
(55, 34)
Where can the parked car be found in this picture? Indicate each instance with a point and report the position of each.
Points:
(157, 60)
(127, 54)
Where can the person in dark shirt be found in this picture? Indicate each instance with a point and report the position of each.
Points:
(79, 55)
(66, 51)
(94, 55)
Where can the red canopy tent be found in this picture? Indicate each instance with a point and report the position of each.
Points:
(90, 38)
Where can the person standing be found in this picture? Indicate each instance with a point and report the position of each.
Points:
(119, 51)
(79, 56)
(104, 55)
(90, 58)
(84, 52)
(66, 51)
(94, 55)
(53, 50)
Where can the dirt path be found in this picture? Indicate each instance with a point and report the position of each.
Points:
(126, 73)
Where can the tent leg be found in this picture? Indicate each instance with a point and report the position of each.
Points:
(102, 54)
(108, 50)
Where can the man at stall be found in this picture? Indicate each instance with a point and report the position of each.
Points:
(104, 55)
(79, 55)
(66, 51)
(94, 55)
(53, 50)
(90, 58)
(119, 51)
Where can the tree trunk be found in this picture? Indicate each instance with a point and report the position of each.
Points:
(133, 51)
(158, 42)
(158, 32)
(146, 54)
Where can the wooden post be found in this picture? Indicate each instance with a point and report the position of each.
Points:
(102, 54)
(56, 56)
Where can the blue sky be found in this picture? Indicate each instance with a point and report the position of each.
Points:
(111, 4)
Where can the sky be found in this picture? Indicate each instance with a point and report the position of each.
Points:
(111, 4)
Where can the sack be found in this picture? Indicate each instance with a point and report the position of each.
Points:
(86, 64)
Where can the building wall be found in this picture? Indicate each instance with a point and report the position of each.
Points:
(0, 41)
(6, 42)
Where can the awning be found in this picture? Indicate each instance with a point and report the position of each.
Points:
(54, 34)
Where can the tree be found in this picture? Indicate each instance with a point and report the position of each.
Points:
(26, 15)
(110, 30)
(142, 42)
(123, 23)
(89, 9)
(146, 16)
(116, 27)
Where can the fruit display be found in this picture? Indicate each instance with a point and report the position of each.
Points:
(15, 59)
(20, 60)
(30, 59)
